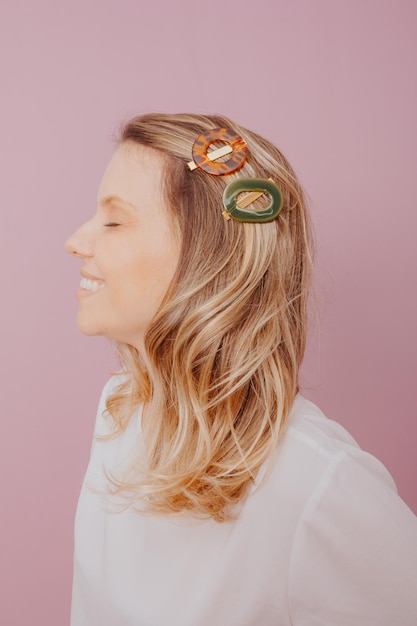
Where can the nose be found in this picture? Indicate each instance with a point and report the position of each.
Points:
(79, 244)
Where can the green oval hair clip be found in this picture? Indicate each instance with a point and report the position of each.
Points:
(237, 210)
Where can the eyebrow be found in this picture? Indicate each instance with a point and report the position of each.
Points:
(114, 199)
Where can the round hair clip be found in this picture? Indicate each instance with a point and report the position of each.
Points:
(235, 146)
(237, 210)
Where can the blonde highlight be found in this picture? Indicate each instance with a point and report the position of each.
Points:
(226, 344)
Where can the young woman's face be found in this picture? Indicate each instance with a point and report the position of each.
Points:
(129, 249)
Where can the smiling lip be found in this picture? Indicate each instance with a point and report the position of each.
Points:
(85, 274)
(89, 285)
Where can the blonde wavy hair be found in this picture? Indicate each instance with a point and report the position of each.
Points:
(226, 344)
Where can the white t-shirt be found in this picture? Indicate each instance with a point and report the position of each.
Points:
(325, 540)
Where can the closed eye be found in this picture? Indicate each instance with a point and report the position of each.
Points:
(111, 225)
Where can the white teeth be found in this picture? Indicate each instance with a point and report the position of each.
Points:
(91, 285)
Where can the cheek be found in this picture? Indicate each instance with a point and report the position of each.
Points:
(156, 262)
(142, 279)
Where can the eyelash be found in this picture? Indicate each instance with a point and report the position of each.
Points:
(111, 225)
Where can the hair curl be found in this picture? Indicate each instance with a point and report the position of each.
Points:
(226, 344)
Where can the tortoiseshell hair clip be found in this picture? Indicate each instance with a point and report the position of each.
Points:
(257, 187)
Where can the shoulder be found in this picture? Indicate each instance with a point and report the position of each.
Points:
(322, 446)
(318, 464)
(331, 488)
(313, 455)
(354, 533)
(312, 428)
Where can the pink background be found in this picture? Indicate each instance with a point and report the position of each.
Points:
(334, 84)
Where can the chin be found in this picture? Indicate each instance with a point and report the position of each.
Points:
(88, 327)
(92, 328)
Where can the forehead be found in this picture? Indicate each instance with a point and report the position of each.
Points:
(135, 173)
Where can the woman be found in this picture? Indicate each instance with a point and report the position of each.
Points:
(215, 493)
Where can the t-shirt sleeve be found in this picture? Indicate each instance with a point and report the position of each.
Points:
(354, 558)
